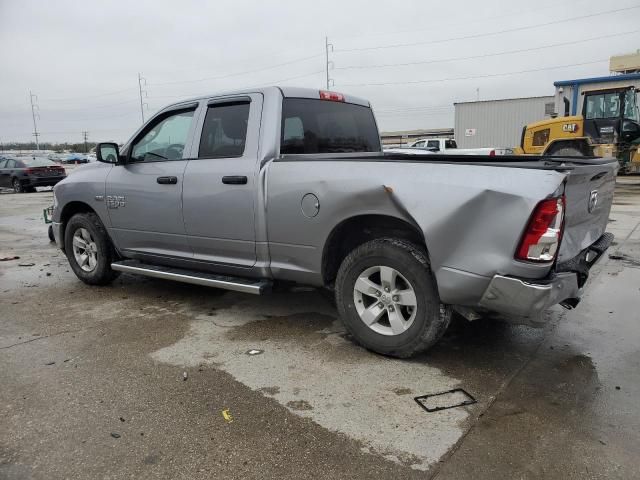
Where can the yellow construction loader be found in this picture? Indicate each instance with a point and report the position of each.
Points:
(608, 127)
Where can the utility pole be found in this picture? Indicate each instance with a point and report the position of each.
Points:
(142, 104)
(34, 107)
(85, 135)
(328, 63)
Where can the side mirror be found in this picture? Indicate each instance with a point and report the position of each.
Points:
(630, 130)
(107, 152)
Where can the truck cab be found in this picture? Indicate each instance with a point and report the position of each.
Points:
(435, 144)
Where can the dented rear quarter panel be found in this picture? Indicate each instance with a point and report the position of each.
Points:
(471, 216)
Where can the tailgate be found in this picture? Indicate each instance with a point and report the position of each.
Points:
(589, 195)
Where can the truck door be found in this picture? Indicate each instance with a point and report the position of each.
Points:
(601, 113)
(220, 184)
(144, 196)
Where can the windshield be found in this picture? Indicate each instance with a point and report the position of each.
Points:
(604, 105)
(38, 162)
(631, 105)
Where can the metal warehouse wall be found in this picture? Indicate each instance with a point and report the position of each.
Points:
(497, 123)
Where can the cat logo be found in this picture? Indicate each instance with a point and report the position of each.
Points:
(570, 127)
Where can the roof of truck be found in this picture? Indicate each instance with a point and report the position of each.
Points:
(288, 92)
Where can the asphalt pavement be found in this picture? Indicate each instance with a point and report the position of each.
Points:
(154, 379)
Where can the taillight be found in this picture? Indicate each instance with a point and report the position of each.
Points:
(29, 171)
(332, 96)
(542, 237)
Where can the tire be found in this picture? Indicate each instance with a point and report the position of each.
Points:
(17, 186)
(567, 152)
(422, 325)
(50, 234)
(97, 245)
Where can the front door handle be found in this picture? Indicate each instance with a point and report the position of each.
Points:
(167, 180)
(235, 180)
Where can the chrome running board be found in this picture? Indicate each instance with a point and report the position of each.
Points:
(245, 285)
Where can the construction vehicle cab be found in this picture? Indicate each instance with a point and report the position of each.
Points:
(596, 116)
(609, 126)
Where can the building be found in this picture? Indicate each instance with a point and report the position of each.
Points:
(405, 137)
(498, 123)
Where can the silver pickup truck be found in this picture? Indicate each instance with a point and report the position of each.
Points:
(242, 189)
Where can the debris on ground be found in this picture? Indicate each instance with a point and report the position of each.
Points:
(6, 259)
(616, 256)
(26, 264)
(226, 414)
(254, 351)
(115, 435)
(50, 363)
(184, 376)
(122, 419)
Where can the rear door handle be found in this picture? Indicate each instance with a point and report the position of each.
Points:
(167, 180)
(235, 180)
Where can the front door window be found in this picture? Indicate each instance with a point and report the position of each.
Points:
(165, 140)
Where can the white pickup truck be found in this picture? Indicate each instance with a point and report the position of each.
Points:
(447, 146)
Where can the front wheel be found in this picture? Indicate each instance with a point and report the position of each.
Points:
(17, 186)
(89, 249)
(388, 300)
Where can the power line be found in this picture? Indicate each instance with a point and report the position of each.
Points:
(270, 83)
(456, 23)
(219, 77)
(93, 107)
(115, 92)
(488, 34)
(496, 54)
(471, 77)
(85, 135)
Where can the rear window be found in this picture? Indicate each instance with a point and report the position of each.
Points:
(450, 144)
(320, 126)
(38, 162)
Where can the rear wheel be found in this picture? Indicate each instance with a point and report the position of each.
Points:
(89, 249)
(387, 298)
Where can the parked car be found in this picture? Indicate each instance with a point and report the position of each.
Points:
(74, 158)
(242, 189)
(23, 174)
(449, 146)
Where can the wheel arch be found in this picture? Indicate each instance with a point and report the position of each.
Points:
(356, 230)
(68, 211)
(581, 144)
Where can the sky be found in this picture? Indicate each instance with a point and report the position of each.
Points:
(411, 59)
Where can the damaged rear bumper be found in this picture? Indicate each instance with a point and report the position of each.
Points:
(528, 298)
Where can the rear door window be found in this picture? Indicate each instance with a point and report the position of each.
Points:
(435, 144)
(11, 164)
(320, 126)
(224, 133)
